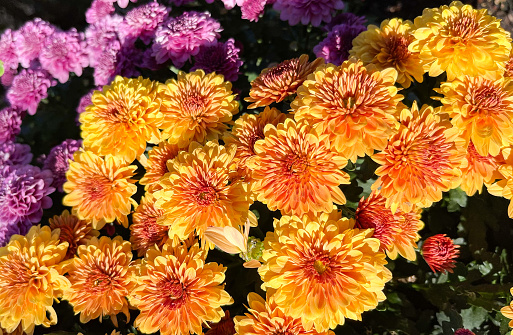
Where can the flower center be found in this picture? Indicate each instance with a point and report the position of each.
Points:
(206, 195)
(463, 27)
(276, 74)
(397, 47)
(485, 99)
(295, 165)
(99, 281)
(194, 104)
(97, 187)
(319, 267)
(118, 112)
(174, 294)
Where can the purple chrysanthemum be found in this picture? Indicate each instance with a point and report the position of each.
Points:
(28, 88)
(221, 58)
(335, 47)
(307, 11)
(127, 58)
(252, 9)
(64, 52)
(348, 19)
(8, 230)
(30, 39)
(24, 194)
(15, 154)
(98, 10)
(180, 38)
(58, 161)
(102, 36)
(10, 123)
(141, 22)
(84, 102)
(8, 49)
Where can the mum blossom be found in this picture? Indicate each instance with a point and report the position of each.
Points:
(98, 10)
(28, 88)
(58, 161)
(10, 123)
(30, 39)
(345, 18)
(103, 36)
(460, 40)
(323, 272)
(295, 171)
(355, 105)
(156, 164)
(99, 189)
(440, 253)
(265, 317)
(142, 22)
(221, 58)
(420, 161)
(335, 47)
(25, 263)
(179, 38)
(307, 11)
(178, 291)
(252, 9)
(8, 53)
(14, 154)
(387, 46)
(101, 276)
(64, 52)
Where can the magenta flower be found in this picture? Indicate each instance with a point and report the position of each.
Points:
(98, 10)
(14, 154)
(10, 123)
(64, 52)
(141, 22)
(252, 9)
(102, 36)
(24, 194)
(8, 230)
(84, 102)
(180, 38)
(30, 39)
(335, 47)
(58, 161)
(105, 68)
(8, 76)
(8, 50)
(307, 11)
(221, 58)
(28, 88)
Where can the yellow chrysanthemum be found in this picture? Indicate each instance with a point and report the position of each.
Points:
(482, 109)
(31, 279)
(352, 103)
(196, 107)
(122, 118)
(507, 311)
(265, 318)
(387, 46)
(145, 232)
(503, 187)
(460, 40)
(248, 129)
(72, 230)
(323, 272)
(420, 162)
(197, 192)
(101, 278)
(99, 189)
(276, 83)
(177, 291)
(295, 171)
(156, 165)
(398, 232)
(509, 66)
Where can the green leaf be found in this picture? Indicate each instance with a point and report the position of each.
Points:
(457, 200)
(473, 317)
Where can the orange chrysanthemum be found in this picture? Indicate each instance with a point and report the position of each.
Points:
(420, 162)
(507, 311)
(122, 118)
(323, 272)
(440, 253)
(397, 231)
(197, 192)
(276, 83)
(72, 230)
(503, 187)
(99, 189)
(101, 278)
(144, 231)
(224, 327)
(295, 171)
(387, 46)
(461, 41)
(482, 109)
(177, 291)
(354, 104)
(246, 131)
(196, 107)
(265, 317)
(31, 279)
(156, 165)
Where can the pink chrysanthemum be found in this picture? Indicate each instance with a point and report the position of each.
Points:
(64, 52)
(29, 88)
(221, 58)
(141, 22)
(98, 10)
(10, 123)
(8, 49)
(307, 11)
(252, 9)
(335, 47)
(105, 68)
(180, 38)
(102, 36)
(30, 39)
(14, 154)
(58, 161)
(440, 253)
